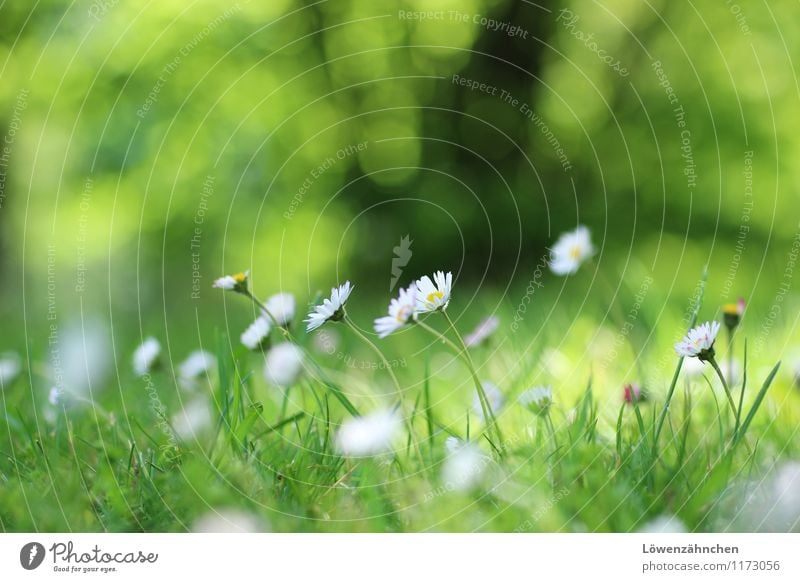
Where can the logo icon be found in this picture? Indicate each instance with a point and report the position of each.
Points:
(31, 555)
(402, 254)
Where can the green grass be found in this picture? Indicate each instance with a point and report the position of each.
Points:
(609, 466)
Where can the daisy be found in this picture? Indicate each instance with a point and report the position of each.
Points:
(192, 420)
(664, 524)
(9, 369)
(237, 282)
(369, 435)
(227, 520)
(570, 251)
(434, 295)
(281, 307)
(480, 334)
(254, 336)
(494, 397)
(464, 466)
(55, 396)
(331, 309)
(538, 400)
(146, 356)
(699, 342)
(400, 311)
(196, 364)
(284, 364)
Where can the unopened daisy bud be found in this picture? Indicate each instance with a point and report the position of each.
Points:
(699, 342)
(368, 435)
(10, 368)
(255, 336)
(331, 309)
(483, 332)
(732, 314)
(145, 358)
(493, 395)
(633, 393)
(236, 283)
(284, 364)
(281, 307)
(538, 400)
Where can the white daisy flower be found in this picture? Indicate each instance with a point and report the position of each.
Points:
(368, 435)
(10, 368)
(281, 306)
(464, 467)
(146, 356)
(229, 521)
(570, 251)
(434, 295)
(331, 309)
(55, 396)
(400, 311)
(257, 333)
(284, 364)
(664, 524)
(196, 364)
(483, 332)
(237, 282)
(538, 400)
(699, 342)
(493, 395)
(192, 420)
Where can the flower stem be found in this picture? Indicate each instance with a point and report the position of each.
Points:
(399, 390)
(714, 365)
(485, 406)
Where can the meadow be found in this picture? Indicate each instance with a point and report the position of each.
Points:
(426, 425)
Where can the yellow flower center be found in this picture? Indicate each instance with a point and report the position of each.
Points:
(240, 277)
(731, 309)
(434, 295)
(401, 314)
(575, 252)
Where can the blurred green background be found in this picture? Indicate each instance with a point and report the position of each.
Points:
(150, 147)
